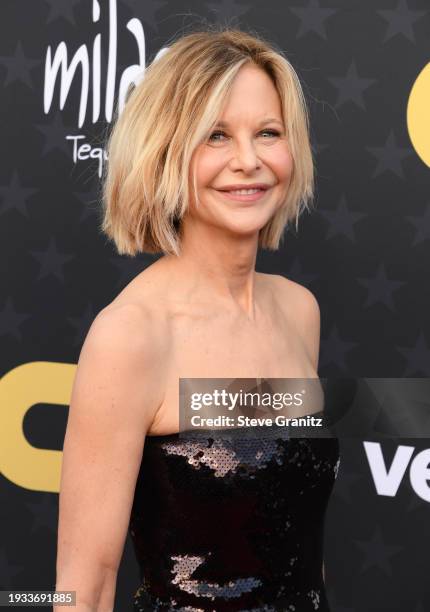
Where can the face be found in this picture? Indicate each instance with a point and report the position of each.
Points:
(247, 146)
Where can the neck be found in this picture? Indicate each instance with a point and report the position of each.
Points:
(217, 265)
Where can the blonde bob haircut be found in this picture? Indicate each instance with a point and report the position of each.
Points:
(173, 109)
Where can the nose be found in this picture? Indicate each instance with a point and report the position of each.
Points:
(244, 156)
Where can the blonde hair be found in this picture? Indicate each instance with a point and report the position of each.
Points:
(145, 191)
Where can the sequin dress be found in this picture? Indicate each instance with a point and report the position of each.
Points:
(232, 525)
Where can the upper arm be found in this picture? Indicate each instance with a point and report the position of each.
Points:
(307, 318)
(114, 398)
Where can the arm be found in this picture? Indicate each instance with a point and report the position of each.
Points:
(115, 395)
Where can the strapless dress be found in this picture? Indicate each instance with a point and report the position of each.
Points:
(232, 524)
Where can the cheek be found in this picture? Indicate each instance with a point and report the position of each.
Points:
(283, 165)
(208, 166)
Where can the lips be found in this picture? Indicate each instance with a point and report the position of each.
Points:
(243, 197)
(239, 186)
(238, 191)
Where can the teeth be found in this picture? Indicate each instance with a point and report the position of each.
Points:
(245, 191)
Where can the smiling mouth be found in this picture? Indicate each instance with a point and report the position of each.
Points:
(248, 195)
(242, 191)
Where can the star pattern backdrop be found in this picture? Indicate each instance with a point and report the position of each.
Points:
(364, 251)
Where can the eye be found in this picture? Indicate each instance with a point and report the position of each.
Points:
(216, 134)
(272, 132)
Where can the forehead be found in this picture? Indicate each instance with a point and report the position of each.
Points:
(252, 97)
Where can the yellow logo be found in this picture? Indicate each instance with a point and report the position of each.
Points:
(32, 383)
(418, 115)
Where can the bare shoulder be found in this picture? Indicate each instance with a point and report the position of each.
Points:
(301, 295)
(301, 307)
(123, 354)
(127, 325)
(136, 315)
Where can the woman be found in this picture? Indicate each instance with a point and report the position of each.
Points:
(209, 160)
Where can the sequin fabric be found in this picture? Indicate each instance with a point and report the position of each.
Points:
(232, 525)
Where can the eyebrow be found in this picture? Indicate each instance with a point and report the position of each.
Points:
(224, 124)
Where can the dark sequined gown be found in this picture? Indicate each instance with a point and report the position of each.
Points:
(232, 525)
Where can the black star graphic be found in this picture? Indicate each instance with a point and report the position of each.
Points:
(377, 552)
(418, 357)
(51, 261)
(422, 225)
(15, 196)
(312, 18)
(342, 220)
(11, 320)
(334, 349)
(55, 136)
(380, 288)
(18, 67)
(351, 87)
(390, 156)
(400, 20)
(61, 9)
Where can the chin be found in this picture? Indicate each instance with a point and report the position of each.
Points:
(243, 229)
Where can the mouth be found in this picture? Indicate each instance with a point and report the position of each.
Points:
(244, 195)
